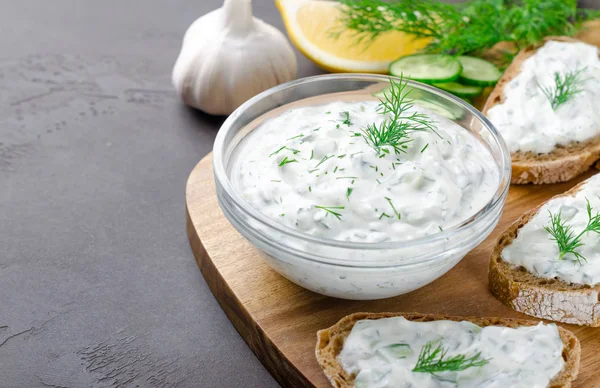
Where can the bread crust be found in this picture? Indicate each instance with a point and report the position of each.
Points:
(551, 299)
(563, 163)
(330, 342)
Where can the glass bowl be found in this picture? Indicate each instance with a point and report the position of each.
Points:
(356, 270)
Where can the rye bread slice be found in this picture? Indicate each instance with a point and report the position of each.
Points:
(551, 299)
(564, 162)
(330, 342)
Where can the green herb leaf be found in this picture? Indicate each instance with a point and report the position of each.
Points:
(323, 159)
(332, 210)
(346, 118)
(349, 192)
(565, 237)
(394, 208)
(434, 360)
(296, 137)
(276, 152)
(394, 132)
(469, 27)
(565, 87)
(286, 161)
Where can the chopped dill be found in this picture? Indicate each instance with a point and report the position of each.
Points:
(332, 210)
(341, 156)
(349, 192)
(424, 148)
(296, 137)
(346, 117)
(384, 215)
(393, 207)
(323, 159)
(286, 161)
(347, 177)
(276, 152)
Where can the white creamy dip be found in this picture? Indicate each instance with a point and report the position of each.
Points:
(383, 352)
(526, 119)
(535, 249)
(310, 169)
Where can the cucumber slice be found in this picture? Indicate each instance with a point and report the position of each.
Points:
(478, 72)
(427, 68)
(460, 90)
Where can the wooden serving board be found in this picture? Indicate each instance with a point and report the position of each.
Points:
(279, 319)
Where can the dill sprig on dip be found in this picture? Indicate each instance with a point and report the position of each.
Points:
(394, 132)
(565, 237)
(332, 210)
(566, 85)
(433, 360)
(469, 27)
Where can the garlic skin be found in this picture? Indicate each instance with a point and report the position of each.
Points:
(229, 56)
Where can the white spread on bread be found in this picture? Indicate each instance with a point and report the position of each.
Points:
(535, 249)
(526, 119)
(382, 354)
(310, 169)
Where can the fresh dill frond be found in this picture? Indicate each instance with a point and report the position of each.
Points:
(347, 177)
(424, 148)
(349, 192)
(332, 210)
(566, 85)
(433, 360)
(394, 132)
(384, 215)
(468, 27)
(565, 237)
(285, 161)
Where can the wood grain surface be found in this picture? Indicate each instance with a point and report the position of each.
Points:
(279, 319)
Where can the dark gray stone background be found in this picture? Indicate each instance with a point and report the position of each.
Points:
(98, 286)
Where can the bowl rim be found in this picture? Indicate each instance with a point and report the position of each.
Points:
(222, 179)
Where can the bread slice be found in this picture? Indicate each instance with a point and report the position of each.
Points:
(564, 162)
(330, 342)
(551, 299)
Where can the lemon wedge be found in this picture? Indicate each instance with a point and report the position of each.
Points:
(311, 25)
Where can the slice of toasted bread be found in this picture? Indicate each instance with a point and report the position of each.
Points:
(330, 342)
(564, 162)
(551, 299)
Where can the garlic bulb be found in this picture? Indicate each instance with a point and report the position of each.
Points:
(229, 56)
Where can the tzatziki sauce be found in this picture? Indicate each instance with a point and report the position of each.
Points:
(382, 353)
(310, 168)
(526, 118)
(535, 249)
